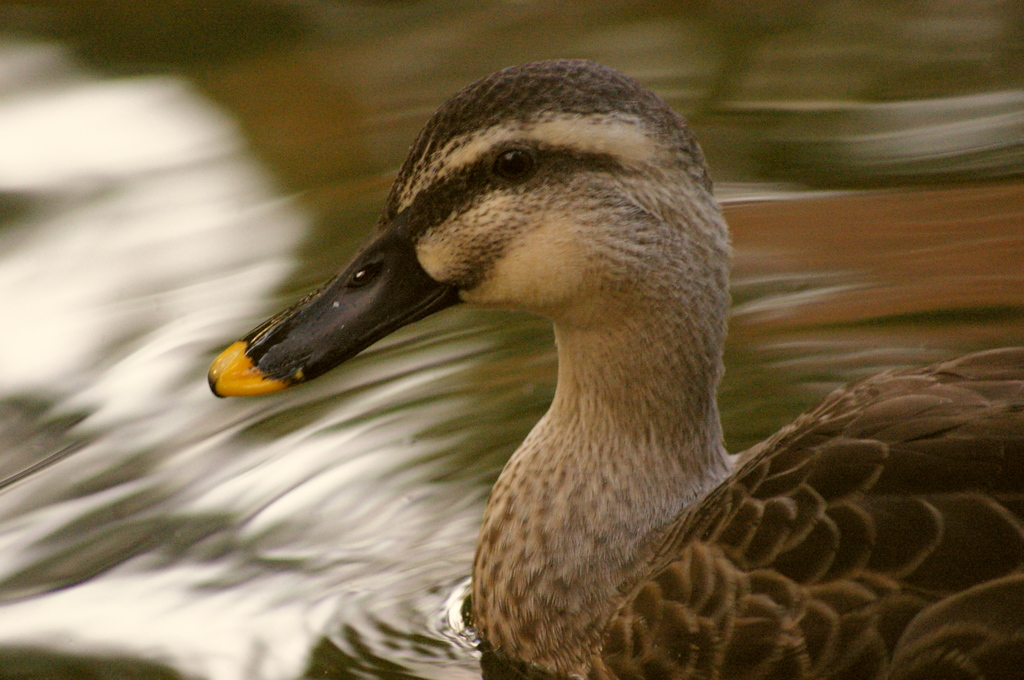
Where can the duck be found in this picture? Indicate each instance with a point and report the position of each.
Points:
(879, 535)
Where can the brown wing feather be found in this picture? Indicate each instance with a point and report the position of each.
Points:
(879, 535)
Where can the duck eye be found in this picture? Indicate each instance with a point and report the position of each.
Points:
(514, 164)
(365, 275)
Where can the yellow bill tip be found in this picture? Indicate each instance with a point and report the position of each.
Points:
(232, 374)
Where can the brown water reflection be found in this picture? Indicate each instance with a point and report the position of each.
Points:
(170, 172)
(835, 287)
(924, 255)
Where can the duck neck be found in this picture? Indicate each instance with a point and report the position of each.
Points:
(632, 437)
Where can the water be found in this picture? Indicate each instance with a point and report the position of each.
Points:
(168, 179)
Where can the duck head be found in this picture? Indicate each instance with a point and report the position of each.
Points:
(561, 187)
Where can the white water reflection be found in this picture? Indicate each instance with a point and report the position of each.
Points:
(242, 633)
(143, 252)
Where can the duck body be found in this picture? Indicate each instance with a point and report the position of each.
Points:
(880, 535)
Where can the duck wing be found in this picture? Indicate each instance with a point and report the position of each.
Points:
(880, 535)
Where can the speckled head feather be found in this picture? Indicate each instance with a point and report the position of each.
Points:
(519, 96)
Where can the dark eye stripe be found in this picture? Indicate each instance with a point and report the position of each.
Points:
(457, 191)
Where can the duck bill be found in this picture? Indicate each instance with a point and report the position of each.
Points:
(381, 290)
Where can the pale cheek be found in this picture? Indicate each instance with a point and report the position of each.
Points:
(543, 272)
(542, 291)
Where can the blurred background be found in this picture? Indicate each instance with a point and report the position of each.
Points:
(171, 172)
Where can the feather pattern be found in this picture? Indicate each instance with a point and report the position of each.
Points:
(880, 535)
